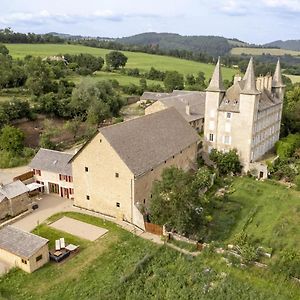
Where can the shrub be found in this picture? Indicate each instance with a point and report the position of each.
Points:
(287, 146)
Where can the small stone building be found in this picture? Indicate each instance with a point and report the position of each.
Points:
(14, 199)
(22, 249)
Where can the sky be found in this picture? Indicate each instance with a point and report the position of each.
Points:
(254, 21)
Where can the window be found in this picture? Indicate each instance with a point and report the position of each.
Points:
(228, 115)
(227, 139)
(86, 169)
(117, 175)
(37, 172)
(87, 197)
(24, 261)
(71, 191)
(144, 201)
(118, 204)
(173, 156)
(211, 137)
(165, 161)
(39, 258)
(100, 141)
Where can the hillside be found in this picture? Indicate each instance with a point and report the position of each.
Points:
(212, 45)
(289, 44)
(135, 59)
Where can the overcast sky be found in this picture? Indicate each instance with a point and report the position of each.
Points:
(257, 21)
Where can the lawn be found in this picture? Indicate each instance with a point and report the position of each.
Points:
(122, 79)
(260, 51)
(294, 78)
(123, 266)
(135, 59)
(267, 211)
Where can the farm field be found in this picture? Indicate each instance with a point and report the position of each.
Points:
(260, 51)
(135, 59)
(123, 266)
(294, 78)
(122, 79)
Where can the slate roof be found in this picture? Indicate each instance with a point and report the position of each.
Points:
(153, 96)
(19, 242)
(179, 100)
(148, 141)
(52, 161)
(12, 190)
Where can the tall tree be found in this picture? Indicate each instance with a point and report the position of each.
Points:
(116, 59)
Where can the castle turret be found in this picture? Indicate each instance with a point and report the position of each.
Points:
(214, 95)
(250, 81)
(277, 84)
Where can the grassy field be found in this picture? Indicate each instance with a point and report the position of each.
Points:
(122, 79)
(268, 212)
(121, 265)
(260, 51)
(135, 60)
(294, 78)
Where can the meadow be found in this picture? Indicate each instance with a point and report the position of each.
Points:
(261, 51)
(121, 265)
(294, 78)
(135, 59)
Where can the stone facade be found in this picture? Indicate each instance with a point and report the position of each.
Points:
(103, 182)
(246, 116)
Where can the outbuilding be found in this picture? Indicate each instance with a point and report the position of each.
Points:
(22, 249)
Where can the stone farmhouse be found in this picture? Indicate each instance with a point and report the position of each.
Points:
(190, 104)
(22, 249)
(53, 170)
(246, 116)
(114, 171)
(14, 199)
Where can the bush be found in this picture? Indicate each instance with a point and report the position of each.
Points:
(11, 160)
(286, 147)
(297, 182)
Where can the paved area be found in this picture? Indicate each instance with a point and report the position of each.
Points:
(4, 267)
(7, 175)
(48, 206)
(79, 228)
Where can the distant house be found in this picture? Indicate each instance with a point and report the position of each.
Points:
(14, 199)
(190, 104)
(22, 249)
(53, 170)
(114, 171)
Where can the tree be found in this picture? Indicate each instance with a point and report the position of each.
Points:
(11, 139)
(73, 126)
(3, 50)
(227, 162)
(173, 81)
(116, 59)
(177, 201)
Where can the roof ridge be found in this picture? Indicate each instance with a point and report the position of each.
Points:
(27, 232)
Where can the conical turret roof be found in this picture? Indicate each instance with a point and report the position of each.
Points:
(277, 78)
(250, 81)
(216, 83)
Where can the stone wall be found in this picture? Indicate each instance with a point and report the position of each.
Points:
(19, 204)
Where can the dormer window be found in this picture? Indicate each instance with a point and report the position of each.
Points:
(226, 101)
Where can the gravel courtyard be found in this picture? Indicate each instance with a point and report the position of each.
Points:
(79, 228)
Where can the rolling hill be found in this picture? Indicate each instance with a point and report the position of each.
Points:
(289, 45)
(212, 45)
(135, 59)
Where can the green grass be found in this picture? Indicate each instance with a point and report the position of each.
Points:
(267, 211)
(260, 51)
(294, 78)
(135, 59)
(121, 265)
(122, 79)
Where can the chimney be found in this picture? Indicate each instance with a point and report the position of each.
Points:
(187, 109)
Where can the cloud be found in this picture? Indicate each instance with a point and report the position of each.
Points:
(45, 17)
(283, 7)
(233, 7)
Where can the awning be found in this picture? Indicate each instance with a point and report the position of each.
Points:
(34, 186)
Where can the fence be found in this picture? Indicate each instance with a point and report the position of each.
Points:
(154, 228)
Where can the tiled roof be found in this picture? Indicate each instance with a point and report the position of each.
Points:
(52, 161)
(148, 141)
(12, 190)
(19, 242)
